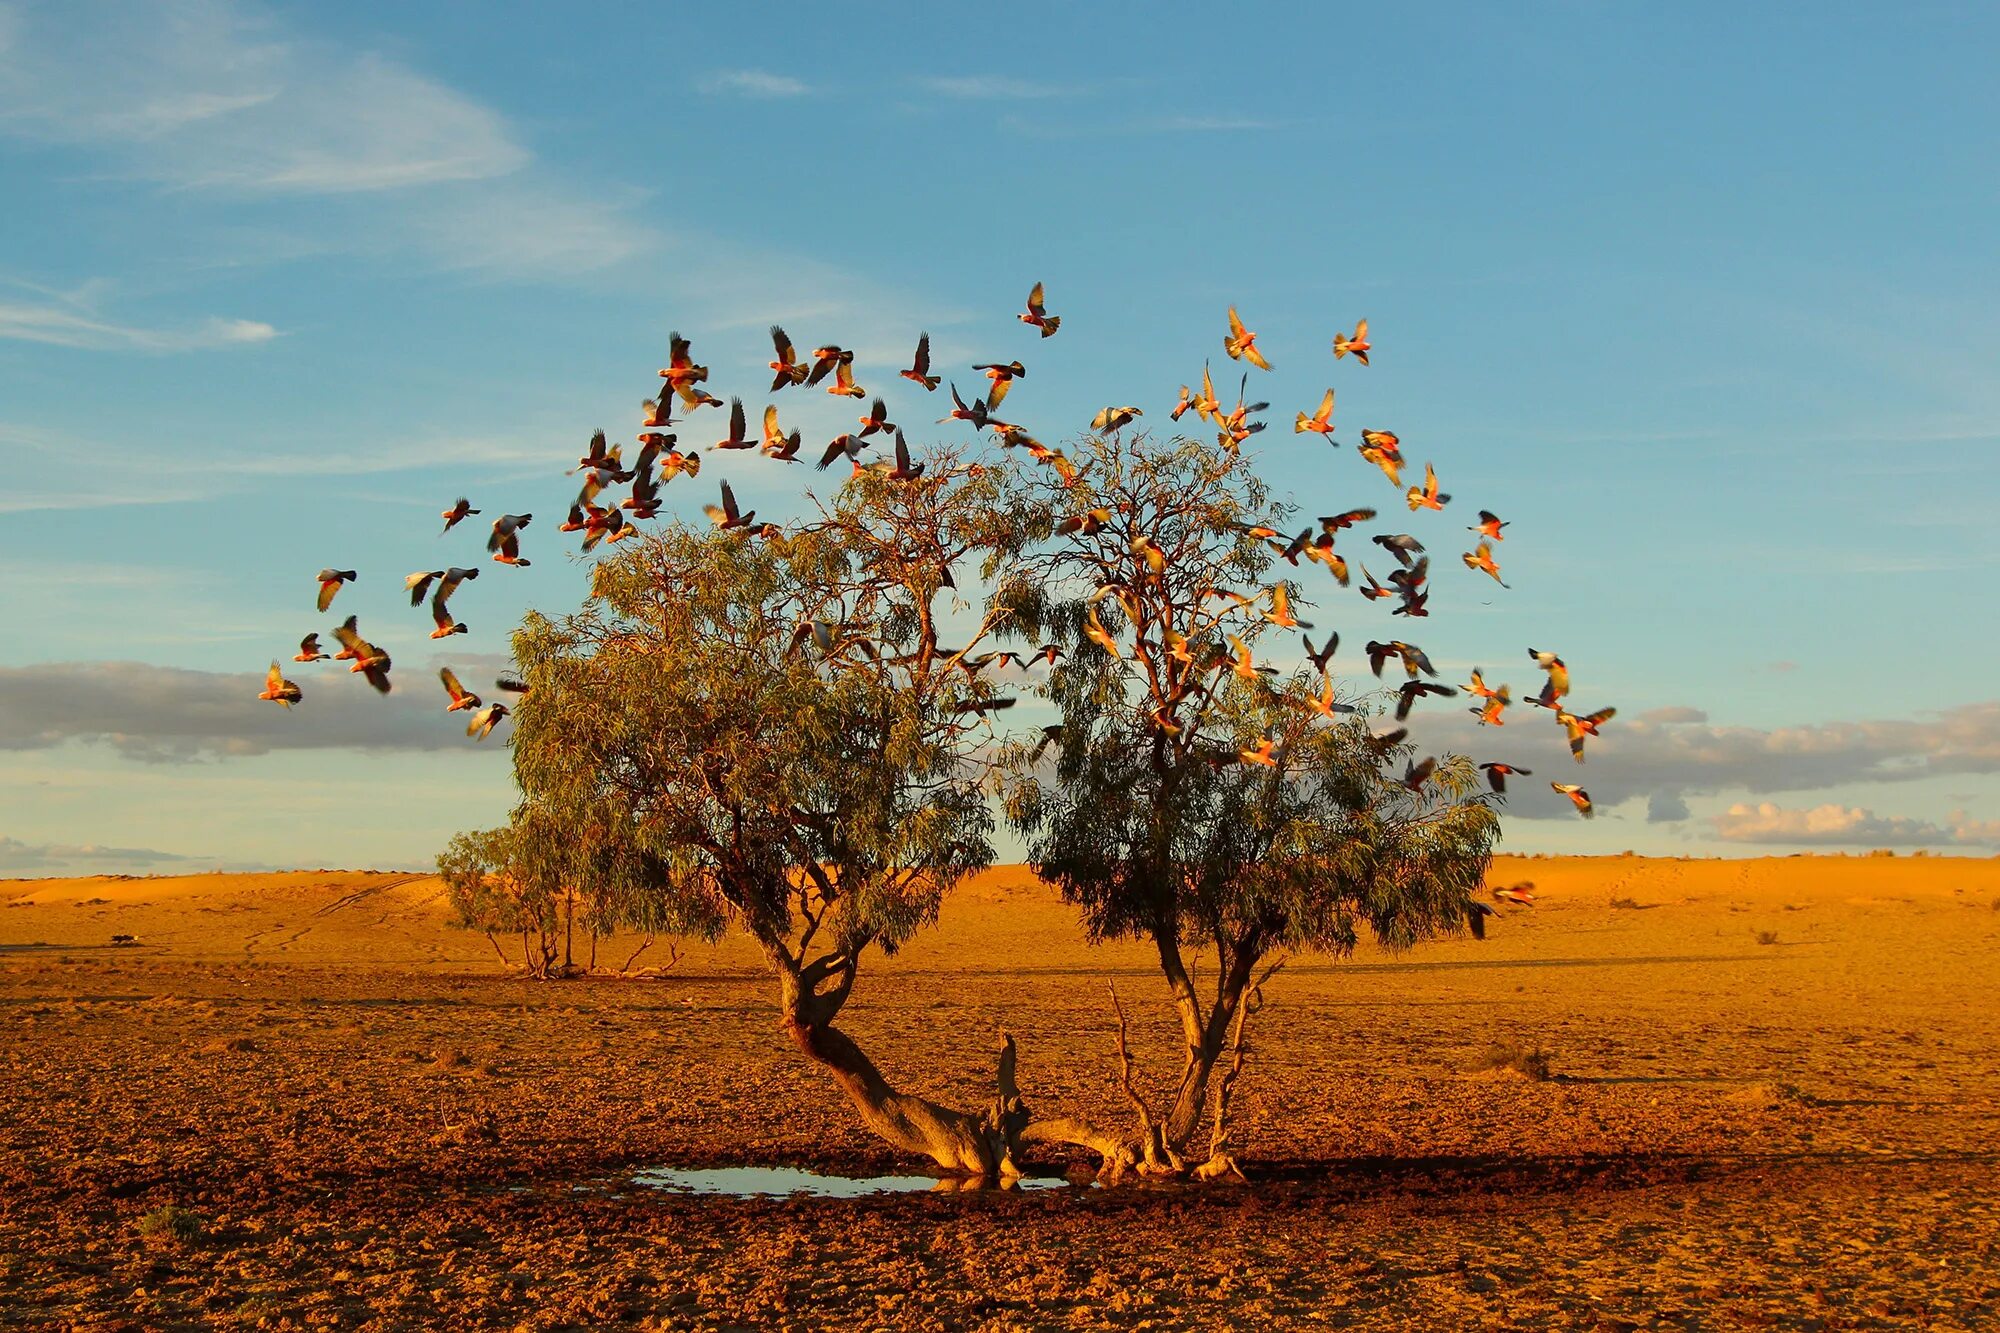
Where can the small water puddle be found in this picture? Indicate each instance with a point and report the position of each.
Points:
(750, 1182)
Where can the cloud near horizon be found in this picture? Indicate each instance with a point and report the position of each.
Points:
(1834, 825)
(169, 715)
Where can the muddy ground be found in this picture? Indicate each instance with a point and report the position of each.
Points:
(367, 1125)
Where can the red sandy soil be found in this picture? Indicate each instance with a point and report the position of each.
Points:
(374, 1127)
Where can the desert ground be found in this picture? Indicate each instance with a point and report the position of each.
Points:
(1775, 1103)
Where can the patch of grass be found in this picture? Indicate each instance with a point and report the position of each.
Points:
(1767, 937)
(172, 1223)
(1625, 904)
(1530, 1062)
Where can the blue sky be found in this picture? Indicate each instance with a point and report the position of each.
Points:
(1703, 300)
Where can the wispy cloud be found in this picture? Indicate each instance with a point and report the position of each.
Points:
(220, 98)
(753, 83)
(64, 326)
(989, 87)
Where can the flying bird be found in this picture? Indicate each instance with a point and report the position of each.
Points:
(681, 372)
(461, 698)
(482, 723)
(1320, 422)
(1581, 727)
(1426, 496)
(877, 421)
(1321, 656)
(739, 426)
(1357, 345)
(279, 690)
(1112, 418)
(1497, 775)
(825, 359)
(1481, 559)
(1384, 450)
(452, 516)
(367, 659)
(448, 583)
(920, 368)
(725, 516)
(1241, 344)
(1280, 613)
(787, 367)
(1577, 795)
(1557, 669)
(309, 650)
(1410, 691)
(843, 379)
(1037, 315)
(1401, 545)
(1489, 525)
(1003, 377)
(1265, 752)
(505, 543)
(329, 584)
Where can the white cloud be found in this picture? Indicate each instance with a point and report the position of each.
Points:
(60, 325)
(753, 83)
(1848, 826)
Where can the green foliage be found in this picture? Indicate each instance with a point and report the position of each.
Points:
(768, 732)
(1148, 820)
(172, 1223)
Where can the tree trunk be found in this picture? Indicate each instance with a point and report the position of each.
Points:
(956, 1141)
(1208, 1037)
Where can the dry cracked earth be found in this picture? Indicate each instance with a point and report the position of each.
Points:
(305, 1101)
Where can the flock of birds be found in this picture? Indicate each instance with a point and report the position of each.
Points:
(602, 518)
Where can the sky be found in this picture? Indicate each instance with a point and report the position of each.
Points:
(1702, 298)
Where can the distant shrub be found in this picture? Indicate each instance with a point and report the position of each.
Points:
(1531, 1062)
(1882, 851)
(1996, 904)
(171, 1222)
(1625, 904)
(1767, 937)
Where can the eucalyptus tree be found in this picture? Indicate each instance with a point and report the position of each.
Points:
(1195, 795)
(781, 733)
